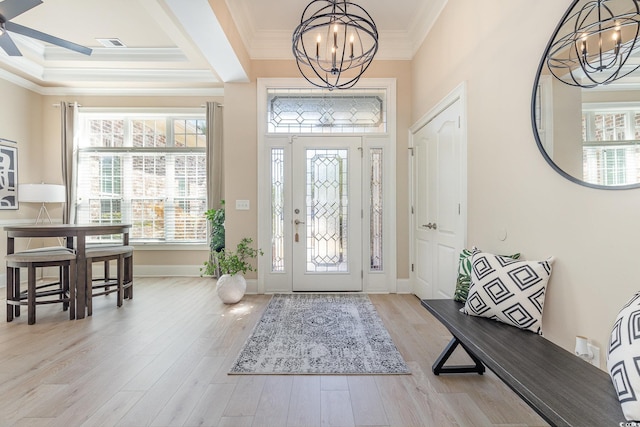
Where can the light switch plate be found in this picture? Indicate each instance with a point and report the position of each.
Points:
(242, 205)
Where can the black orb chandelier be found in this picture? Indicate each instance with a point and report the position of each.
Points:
(334, 43)
(593, 42)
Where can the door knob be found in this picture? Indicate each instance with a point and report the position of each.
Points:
(297, 221)
(431, 226)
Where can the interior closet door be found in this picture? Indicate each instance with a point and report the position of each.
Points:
(438, 226)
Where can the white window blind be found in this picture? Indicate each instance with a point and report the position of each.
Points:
(147, 170)
(611, 149)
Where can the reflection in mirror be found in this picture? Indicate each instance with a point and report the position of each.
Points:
(590, 135)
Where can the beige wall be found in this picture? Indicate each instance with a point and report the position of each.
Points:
(21, 121)
(592, 233)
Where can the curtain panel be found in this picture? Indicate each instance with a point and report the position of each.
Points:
(215, 172)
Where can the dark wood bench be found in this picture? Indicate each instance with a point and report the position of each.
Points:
(562, 388)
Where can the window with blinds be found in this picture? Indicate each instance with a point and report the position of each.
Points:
(611, 149)
(149, 171)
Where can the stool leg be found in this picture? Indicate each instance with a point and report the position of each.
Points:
(31, 295)
(71, 285)
(89, 288)
(120, 279)
(63, 276)
(128, 262)
(106, 274)
(10, 296)
(16, 291)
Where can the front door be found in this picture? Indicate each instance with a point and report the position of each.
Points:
(327, 214)
(438, 224)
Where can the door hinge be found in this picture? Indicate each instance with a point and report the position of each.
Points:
(458, 208)
(412, 268)
(412, 211)
(362, 274)
(361, 213)
(411, 151)
(459, 125)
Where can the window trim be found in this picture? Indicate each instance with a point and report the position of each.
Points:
(136, 113)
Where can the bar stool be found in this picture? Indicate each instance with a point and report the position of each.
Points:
(62, 291)
(122, 283)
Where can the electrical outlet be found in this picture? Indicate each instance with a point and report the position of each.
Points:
(596, 355)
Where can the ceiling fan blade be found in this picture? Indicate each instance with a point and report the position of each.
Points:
(9, 46)
(35, 34)
(9, 9)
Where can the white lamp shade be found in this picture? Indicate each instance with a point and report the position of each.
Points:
(41, 193)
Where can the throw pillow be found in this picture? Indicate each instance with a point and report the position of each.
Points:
(623, 358)
(464, 274)
(508, 290)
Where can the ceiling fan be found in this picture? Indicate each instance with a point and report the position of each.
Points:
(9, 9)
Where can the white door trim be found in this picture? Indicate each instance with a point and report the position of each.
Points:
(373, 282)
(457, 94)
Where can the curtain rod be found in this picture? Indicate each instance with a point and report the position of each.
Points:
(71, 104)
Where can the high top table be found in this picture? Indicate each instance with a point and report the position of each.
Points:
(76, 236)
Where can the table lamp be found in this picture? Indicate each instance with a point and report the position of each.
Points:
(42, 193)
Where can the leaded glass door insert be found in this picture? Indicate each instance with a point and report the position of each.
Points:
(327, 225)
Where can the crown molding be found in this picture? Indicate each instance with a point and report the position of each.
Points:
(54, 53)
(423, 22)
(276, 45)
(109, 91)
(394, 45)
(134, 75)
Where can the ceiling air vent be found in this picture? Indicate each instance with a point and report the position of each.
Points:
(111, 42)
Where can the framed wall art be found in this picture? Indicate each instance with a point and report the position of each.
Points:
(8, 177)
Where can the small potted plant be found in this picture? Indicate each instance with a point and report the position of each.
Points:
(232, 285)
(215, 217)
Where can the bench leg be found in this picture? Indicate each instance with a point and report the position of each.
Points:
(439, 368)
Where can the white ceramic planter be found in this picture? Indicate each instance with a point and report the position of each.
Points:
(230, 288)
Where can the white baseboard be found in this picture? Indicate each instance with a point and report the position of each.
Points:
(252, 286)
(404, 286)
(166, 270)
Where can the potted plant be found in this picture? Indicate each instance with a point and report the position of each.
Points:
(232, 285)
(216, 242)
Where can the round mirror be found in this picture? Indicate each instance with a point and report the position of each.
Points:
(590, 135)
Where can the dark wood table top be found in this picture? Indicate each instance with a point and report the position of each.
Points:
(62, 230)
(561, 387)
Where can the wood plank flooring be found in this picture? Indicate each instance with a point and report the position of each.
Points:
(162, 360)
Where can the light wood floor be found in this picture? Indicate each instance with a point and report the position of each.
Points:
(162, 360)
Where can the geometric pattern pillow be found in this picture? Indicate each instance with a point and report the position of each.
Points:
(508, 290)
(623, 358)
(464, 274)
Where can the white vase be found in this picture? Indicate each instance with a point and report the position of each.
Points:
(231, 288)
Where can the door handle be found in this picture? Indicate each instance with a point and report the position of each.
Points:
(431, 226)
(297, 222)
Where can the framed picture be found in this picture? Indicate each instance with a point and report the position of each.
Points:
(8, 177)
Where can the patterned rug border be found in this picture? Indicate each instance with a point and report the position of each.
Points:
(405, 371)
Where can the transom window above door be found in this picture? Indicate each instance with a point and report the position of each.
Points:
(322, 111)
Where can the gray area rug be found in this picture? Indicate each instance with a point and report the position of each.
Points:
(320, 334)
